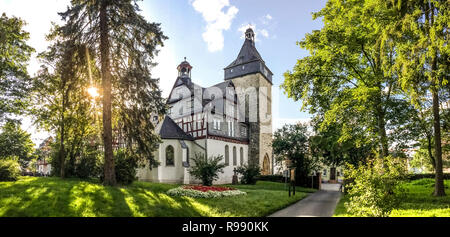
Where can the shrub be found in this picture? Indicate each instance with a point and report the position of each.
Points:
(9, 169)
(182, 191)
(425, 176)
(272, 178)
(207, 170)
(375, 189)
(88, 165)
(249, 173)
(125, 167)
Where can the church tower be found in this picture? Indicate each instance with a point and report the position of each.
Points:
(253, 82)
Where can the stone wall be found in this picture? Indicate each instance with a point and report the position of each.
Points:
(260, 132)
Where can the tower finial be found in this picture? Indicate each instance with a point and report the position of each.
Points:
(184, 69)
(250, 34)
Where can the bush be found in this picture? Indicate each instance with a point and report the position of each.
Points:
(88, 165)
(425, 176)
(9, 169)
(272, 178)
(249, 173)
(125, 167)
(181, 191)
(375, 189)
(207, 170)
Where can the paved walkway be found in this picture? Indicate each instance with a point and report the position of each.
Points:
(319, 204)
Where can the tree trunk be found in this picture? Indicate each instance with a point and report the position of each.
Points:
(382, 127)
(110, 177)
(62, 156)
(439, 189)
(430, 153)
(61, 150)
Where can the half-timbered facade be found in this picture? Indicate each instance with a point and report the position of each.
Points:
(217, 120)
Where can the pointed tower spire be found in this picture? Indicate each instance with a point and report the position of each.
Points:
(248, 61)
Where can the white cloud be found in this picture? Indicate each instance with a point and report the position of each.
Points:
(269, 17)
(218, 15)
(264, 33)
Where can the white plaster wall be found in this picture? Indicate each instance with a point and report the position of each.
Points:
(216, 147)
(176, 174)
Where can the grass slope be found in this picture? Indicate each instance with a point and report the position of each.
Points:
(54, 197)
(419, 201)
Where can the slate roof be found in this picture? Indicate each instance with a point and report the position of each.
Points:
(247, 54)
(168, 129)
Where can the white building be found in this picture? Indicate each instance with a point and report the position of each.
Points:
(232, 119)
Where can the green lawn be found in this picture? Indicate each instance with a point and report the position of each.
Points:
(54, 197)
(418, 202)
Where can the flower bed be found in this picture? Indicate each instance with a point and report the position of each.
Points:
(204, 192)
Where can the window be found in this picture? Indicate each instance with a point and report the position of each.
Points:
(234, 156)
(170, 156)
(187, 155)
(155, 118)
(242, 156)
(188, 105)
(227, 155)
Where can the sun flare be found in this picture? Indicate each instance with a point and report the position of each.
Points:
(93, 92)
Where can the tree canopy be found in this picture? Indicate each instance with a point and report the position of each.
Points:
(14, 56)
(124, 45)
(16, 143)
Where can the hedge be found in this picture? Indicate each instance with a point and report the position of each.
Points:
(425, 176)
(271, 178)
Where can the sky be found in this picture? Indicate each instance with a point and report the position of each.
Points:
(209, 33)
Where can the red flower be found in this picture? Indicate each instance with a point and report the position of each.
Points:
(208, 188)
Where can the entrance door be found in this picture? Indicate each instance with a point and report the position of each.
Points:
(333, 174)
(266, 165)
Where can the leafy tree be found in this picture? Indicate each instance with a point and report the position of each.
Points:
(419, 35)
(63, 105)
(343, 79)
(291, 143)
(9, 169)
(421, 160)
(14, 55)
(376, 188)
(15, 142)
(207, 169)
(124, 45)
(327, 146)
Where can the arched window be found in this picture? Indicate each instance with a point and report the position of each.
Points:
(266, 165)
(187, 155)
(242, 156)
(227, 155)
(234, 156)
(170, 156)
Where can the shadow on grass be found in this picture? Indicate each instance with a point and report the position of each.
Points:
(53, 197)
